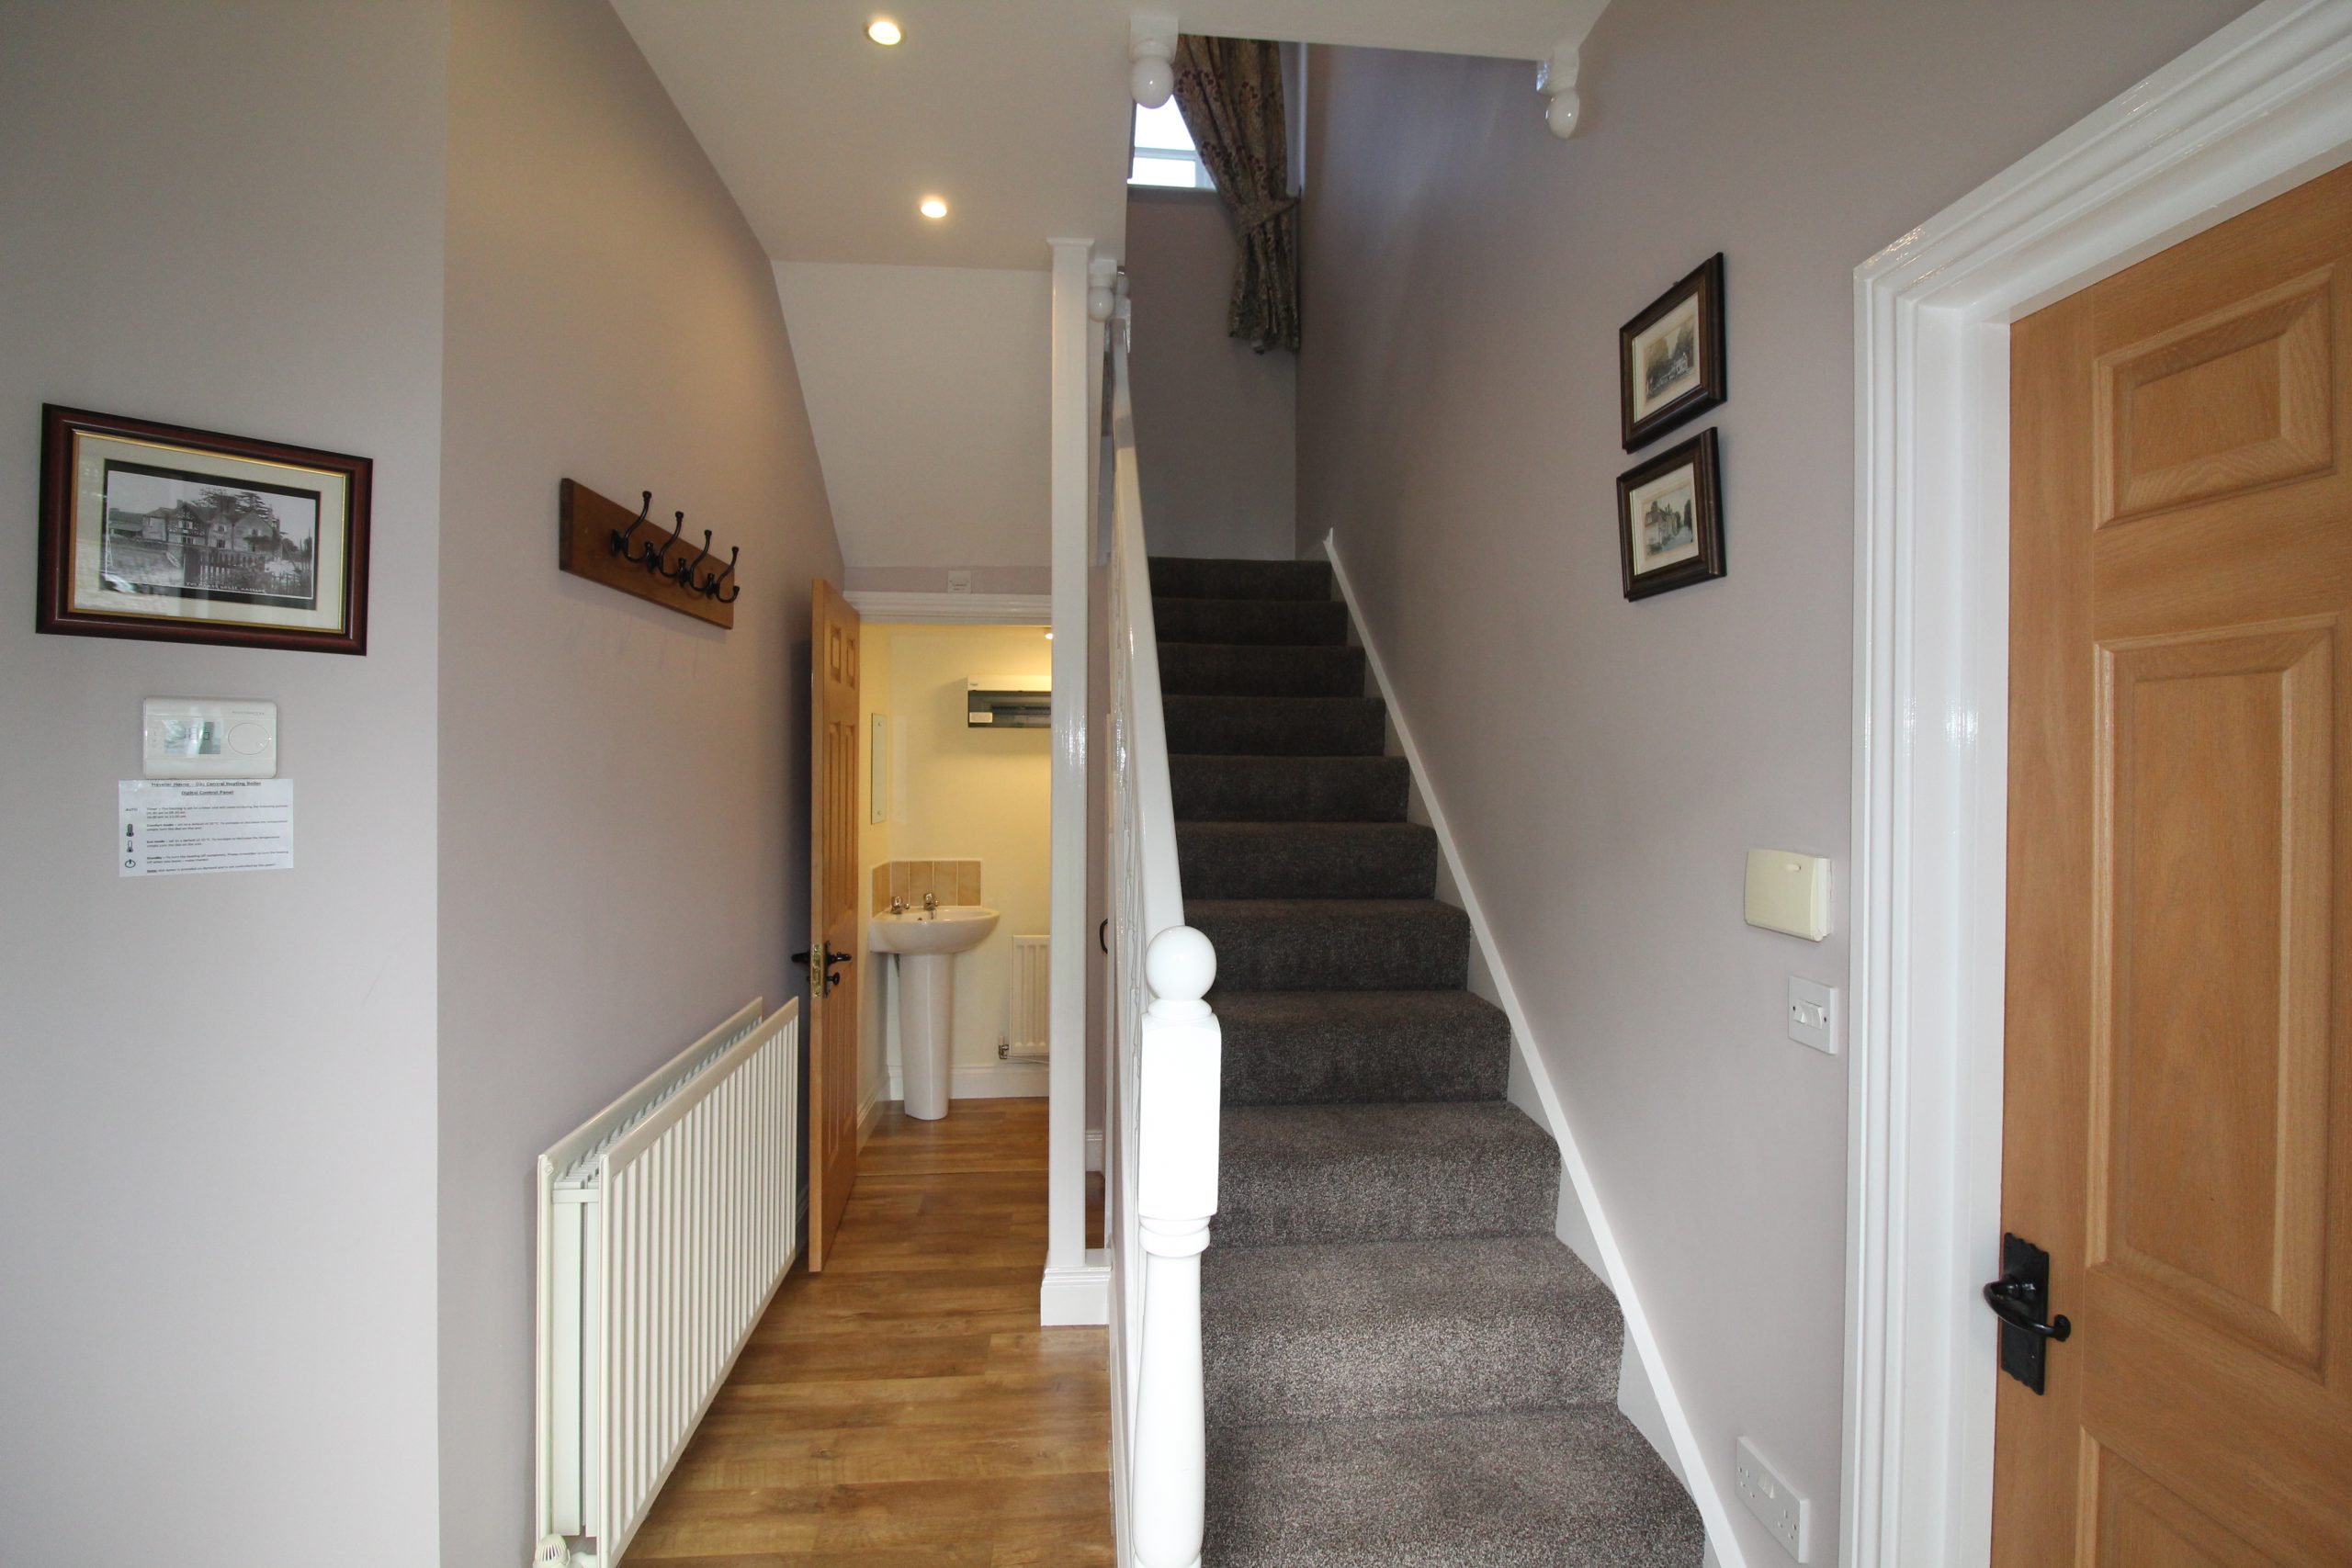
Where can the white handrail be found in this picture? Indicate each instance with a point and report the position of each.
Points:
(1164, 1068)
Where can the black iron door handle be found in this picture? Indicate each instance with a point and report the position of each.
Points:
(832, 958)
(1102, 935)
(2020, 1299)
(2014, 1302)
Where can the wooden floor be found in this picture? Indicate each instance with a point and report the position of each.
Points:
(903, 1407)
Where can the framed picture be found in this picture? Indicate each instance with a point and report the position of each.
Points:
(1671, 358)
(184, 536)
(1670, 519)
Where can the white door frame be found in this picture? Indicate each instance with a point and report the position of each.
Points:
(1076, 1284)
(2263, 106)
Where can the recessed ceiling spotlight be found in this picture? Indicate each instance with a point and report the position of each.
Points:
(884, 32)
(931, 207)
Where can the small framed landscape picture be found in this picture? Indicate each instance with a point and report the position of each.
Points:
(159, 532)
(1670, 519)
(1671, 358)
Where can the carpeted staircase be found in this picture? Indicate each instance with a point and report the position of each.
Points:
(1404, 1367)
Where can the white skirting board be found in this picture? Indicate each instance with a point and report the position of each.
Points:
(1645, 1393)
(1078, 1297)
(984, 1080)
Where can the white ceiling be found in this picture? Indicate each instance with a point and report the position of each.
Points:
(922, 346)
(1015, 111)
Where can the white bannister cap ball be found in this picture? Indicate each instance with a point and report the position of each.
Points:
(1181, 964)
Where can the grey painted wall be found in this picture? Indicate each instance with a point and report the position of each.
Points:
(216, 1182)
(1215, 422)
(1607, 763)
(624, 850)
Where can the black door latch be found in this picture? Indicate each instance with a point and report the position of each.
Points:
(831, 977)
(2020, 1299)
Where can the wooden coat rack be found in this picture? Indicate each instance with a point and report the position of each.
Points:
(600, 540)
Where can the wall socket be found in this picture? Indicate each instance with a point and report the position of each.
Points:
(1784, 1510)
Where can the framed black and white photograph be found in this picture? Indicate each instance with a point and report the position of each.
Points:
(1670, 519)
(160, 532)
(1671, 358)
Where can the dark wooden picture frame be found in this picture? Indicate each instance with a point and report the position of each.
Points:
(1695, 365)
(1698, 559)
(193, 555)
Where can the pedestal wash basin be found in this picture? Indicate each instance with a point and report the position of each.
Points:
(925, 943)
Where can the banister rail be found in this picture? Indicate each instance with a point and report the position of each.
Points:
(1164, 1065)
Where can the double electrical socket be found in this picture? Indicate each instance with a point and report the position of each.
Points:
(1784, 1510)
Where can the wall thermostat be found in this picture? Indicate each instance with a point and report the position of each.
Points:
(188, 738)
(1788, 892)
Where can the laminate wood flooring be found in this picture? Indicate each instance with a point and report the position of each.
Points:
(903, 1407)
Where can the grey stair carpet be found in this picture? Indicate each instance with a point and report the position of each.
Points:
(1266, 622)
(1574, 1487)
(1213, 669)
(1288, 789)
(1314, 860)
(1276, 726)
(1403, 1365)
(1361, 1047)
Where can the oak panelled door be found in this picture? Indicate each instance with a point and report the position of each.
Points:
(832, 917)
(2179, 1099)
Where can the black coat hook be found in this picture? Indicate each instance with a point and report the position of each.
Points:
(660, 553)
(684, 576)
(710, 585)
(620, 541)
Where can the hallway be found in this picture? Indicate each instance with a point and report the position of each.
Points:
(903, 1407)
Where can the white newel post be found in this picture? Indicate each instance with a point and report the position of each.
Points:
(1176, 1150)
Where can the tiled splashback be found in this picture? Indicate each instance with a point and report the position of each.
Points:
(955, 881)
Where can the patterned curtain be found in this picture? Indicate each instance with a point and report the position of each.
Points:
(1230, 90)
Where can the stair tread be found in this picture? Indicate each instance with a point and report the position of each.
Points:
(1276, 726)
(1298, 1174)
(1572, 1488)
(1398, 1328)
(1209, 787)
(1322, 945)
(1317, 860)
(1361, 1047)
(1264, 623)
(1186, 577)
(1248, 670)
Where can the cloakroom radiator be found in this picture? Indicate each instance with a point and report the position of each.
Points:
(1025, 1037)
(666, 1222)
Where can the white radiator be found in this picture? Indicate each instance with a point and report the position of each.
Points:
(1025, 1037)
(665, 1223)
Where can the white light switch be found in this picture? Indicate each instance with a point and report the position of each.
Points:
(1813, 1014)
(1788, 892)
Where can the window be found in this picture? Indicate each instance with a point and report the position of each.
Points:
(1164, 153)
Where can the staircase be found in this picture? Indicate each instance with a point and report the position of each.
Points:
(1402, 1365)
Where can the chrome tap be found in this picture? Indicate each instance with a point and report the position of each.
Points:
(898, 905)
(931, 903)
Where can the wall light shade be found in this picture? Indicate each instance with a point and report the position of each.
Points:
(1152, 81)
(884, 32)
(1101, 292)
(931, 207)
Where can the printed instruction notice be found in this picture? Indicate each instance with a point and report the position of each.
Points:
(171, 826)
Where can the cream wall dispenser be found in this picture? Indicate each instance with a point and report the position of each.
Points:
(193, 737)
(1789, 892)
